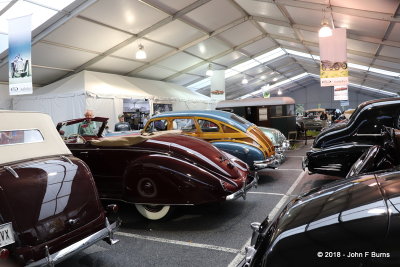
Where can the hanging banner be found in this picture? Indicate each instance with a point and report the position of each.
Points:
(19, 55)
(218, 85)
(333, 57)
(340, 93)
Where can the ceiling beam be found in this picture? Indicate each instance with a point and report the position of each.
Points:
(316, 29)
(39, 36)
(222, 54)
(337, 9)
(146, 31)
(190, 44)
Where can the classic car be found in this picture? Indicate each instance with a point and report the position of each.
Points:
(351, 222)
(379, 157)
(273, 112)
(279, 141)
(49, 207)
(20, 67)
(225, 130)
(159, 170)
(311, 120)
(336, 149)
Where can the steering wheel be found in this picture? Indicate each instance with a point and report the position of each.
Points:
(75, 138)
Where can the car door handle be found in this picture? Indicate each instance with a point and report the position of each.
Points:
(84, 152)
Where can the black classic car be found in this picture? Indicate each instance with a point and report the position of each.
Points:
(336, 149)
(352, 222)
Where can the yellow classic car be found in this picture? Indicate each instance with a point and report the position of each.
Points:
(225, 130)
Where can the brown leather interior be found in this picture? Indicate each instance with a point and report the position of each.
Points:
(130, 140)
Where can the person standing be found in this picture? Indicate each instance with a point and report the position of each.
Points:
(88, 127)
(122, 125)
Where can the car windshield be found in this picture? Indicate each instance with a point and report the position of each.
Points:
(84, 128)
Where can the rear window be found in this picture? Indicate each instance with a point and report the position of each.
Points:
(157, 126)
(208, 126)
(15, 137)
(186, 125)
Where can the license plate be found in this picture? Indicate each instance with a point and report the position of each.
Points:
(6, 234)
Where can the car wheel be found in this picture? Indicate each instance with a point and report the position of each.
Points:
(153, 212)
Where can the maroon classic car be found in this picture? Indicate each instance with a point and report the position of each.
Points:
(49, 206)
(156, 171)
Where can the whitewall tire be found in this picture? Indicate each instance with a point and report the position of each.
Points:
(153, 212)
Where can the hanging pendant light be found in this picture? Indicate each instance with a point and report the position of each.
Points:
(325, 30)
(209, 71)
(244, 80)
(279, 92)
(141, 54)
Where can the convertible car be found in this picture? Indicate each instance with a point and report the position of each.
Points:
(159, 170)
(352, 222)
(225, 130)
(336, 149)
(49, 206)
(279, 141)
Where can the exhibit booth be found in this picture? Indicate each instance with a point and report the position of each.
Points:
(105, 94)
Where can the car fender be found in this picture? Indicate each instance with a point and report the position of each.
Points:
(244, 152)
(173, 181)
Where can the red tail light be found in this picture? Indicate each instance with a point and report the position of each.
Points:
(4, 253)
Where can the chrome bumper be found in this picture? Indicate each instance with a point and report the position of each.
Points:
(242, 192)
(304, 163)
(51, 259)
(271, 162)
(251, 250)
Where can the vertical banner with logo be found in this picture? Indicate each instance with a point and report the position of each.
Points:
(19, 55)
(218, 85)
(340, 92)
(333, 57)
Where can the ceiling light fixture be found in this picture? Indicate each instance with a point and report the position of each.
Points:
(275, 79)
(279, 92)
(209, 71)
(244, 80)
(325, 30)
(141, 54)
(263, 77)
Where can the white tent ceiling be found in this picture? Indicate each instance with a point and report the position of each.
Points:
(182, 37)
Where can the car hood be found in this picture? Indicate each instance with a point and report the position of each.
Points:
(197, 151)
(48, 199)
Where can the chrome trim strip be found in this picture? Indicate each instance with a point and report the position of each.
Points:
(271, 162)
(11, 170)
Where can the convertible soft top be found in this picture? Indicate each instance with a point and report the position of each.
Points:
(129, 140)
(19, 121)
